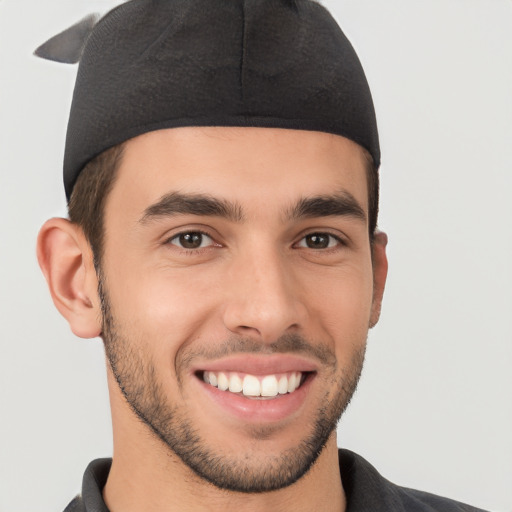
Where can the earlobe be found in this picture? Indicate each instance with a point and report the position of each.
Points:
(67, 264)
(380, 272)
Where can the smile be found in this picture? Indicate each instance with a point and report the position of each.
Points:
(262, 386)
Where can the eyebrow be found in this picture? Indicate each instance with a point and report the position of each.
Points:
(338, 204)
(177, 203)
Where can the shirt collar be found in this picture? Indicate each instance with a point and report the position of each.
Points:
(365, 488)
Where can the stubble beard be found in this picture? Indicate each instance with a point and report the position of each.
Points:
(138, 380)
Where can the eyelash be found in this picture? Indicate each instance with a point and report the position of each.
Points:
(189, 251)
(339, 241)
(196, 251)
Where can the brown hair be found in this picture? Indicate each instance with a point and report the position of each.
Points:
(87, 202)
(372, 182)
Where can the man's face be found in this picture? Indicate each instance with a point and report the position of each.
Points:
(237, 286)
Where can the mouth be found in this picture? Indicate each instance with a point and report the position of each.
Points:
(256, 387)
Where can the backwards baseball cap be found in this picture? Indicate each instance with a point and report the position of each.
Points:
(154, 64)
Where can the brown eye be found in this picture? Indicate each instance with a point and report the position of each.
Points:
(319, 241)
(192, 240)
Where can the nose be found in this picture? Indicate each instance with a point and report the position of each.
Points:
(263, 298)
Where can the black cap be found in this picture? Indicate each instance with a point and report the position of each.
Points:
(154, 64)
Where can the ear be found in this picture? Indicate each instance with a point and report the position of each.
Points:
(66, 260)
(380, 272)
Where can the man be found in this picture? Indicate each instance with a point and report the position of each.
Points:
(221, 171)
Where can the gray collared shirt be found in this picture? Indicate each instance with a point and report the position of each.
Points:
(366, 490)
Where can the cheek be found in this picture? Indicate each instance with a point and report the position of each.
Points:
(161, 307)
(340, 304)
(347, 287)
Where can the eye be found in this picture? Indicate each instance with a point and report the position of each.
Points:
(320, 241)
(191, 240)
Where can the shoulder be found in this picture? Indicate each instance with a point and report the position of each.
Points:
(94, 480)
(367, 490)
(419, 500)
(76, 505)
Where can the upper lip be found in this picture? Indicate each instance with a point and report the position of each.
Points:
(258, 364)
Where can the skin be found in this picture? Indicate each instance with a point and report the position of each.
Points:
(256, 280)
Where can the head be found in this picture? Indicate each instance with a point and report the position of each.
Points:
(232, 269)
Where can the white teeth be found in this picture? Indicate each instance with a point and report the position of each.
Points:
(223, 382)
(269, 386)
(291, 383)
(235, 383)
(250, 385)
(282, 387)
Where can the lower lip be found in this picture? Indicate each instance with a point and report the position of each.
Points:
(260, 410)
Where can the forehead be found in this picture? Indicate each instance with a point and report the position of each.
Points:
(258, 166)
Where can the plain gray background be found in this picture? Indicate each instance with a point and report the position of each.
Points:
(434, 407)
